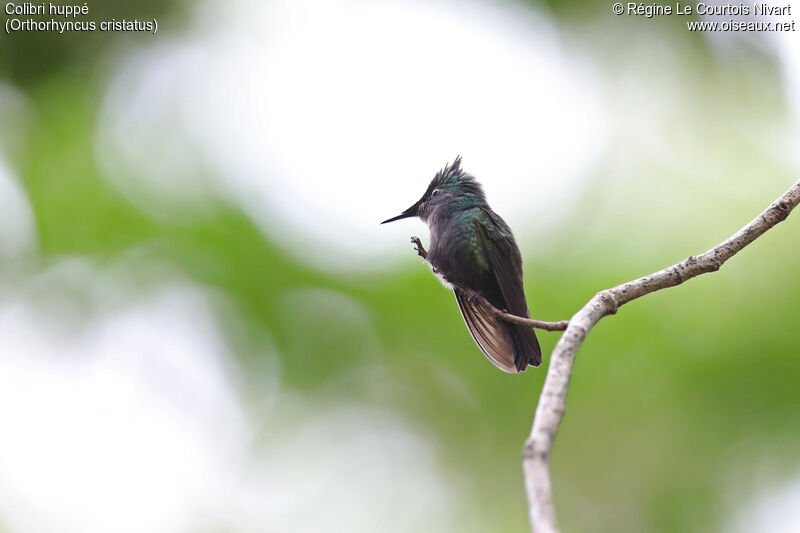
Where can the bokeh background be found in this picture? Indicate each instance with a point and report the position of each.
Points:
(203, 328)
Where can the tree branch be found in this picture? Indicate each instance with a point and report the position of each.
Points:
(552, 401)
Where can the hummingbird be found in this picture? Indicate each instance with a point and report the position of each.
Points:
(473, 252)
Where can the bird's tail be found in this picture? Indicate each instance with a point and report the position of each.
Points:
(510, 347)
(525, 346)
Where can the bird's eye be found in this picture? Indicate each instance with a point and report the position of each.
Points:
(435, 192)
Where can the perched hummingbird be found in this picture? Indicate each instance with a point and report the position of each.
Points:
(472, 250)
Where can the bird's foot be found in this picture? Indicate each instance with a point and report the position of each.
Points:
(419, 248)
(473, 297)
(476, 298)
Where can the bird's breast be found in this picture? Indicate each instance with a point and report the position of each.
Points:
(442, 278)
(457, 254)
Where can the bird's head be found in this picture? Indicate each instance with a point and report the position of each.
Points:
(451, 190)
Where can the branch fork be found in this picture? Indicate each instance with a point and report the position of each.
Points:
(552, 401)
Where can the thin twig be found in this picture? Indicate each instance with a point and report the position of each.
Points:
(561, 325)
(552, 401)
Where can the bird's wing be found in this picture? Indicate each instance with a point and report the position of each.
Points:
(506, 264)
(488, 333)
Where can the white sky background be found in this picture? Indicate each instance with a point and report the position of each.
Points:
(773, 507)
(122, 413)
(323, 118)
(18, 235)
(783, 45)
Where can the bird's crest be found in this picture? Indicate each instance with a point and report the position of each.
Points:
(452, 176)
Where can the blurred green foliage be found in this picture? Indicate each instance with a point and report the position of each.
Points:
(33, 56)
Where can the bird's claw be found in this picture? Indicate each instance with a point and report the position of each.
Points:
(419, 248)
